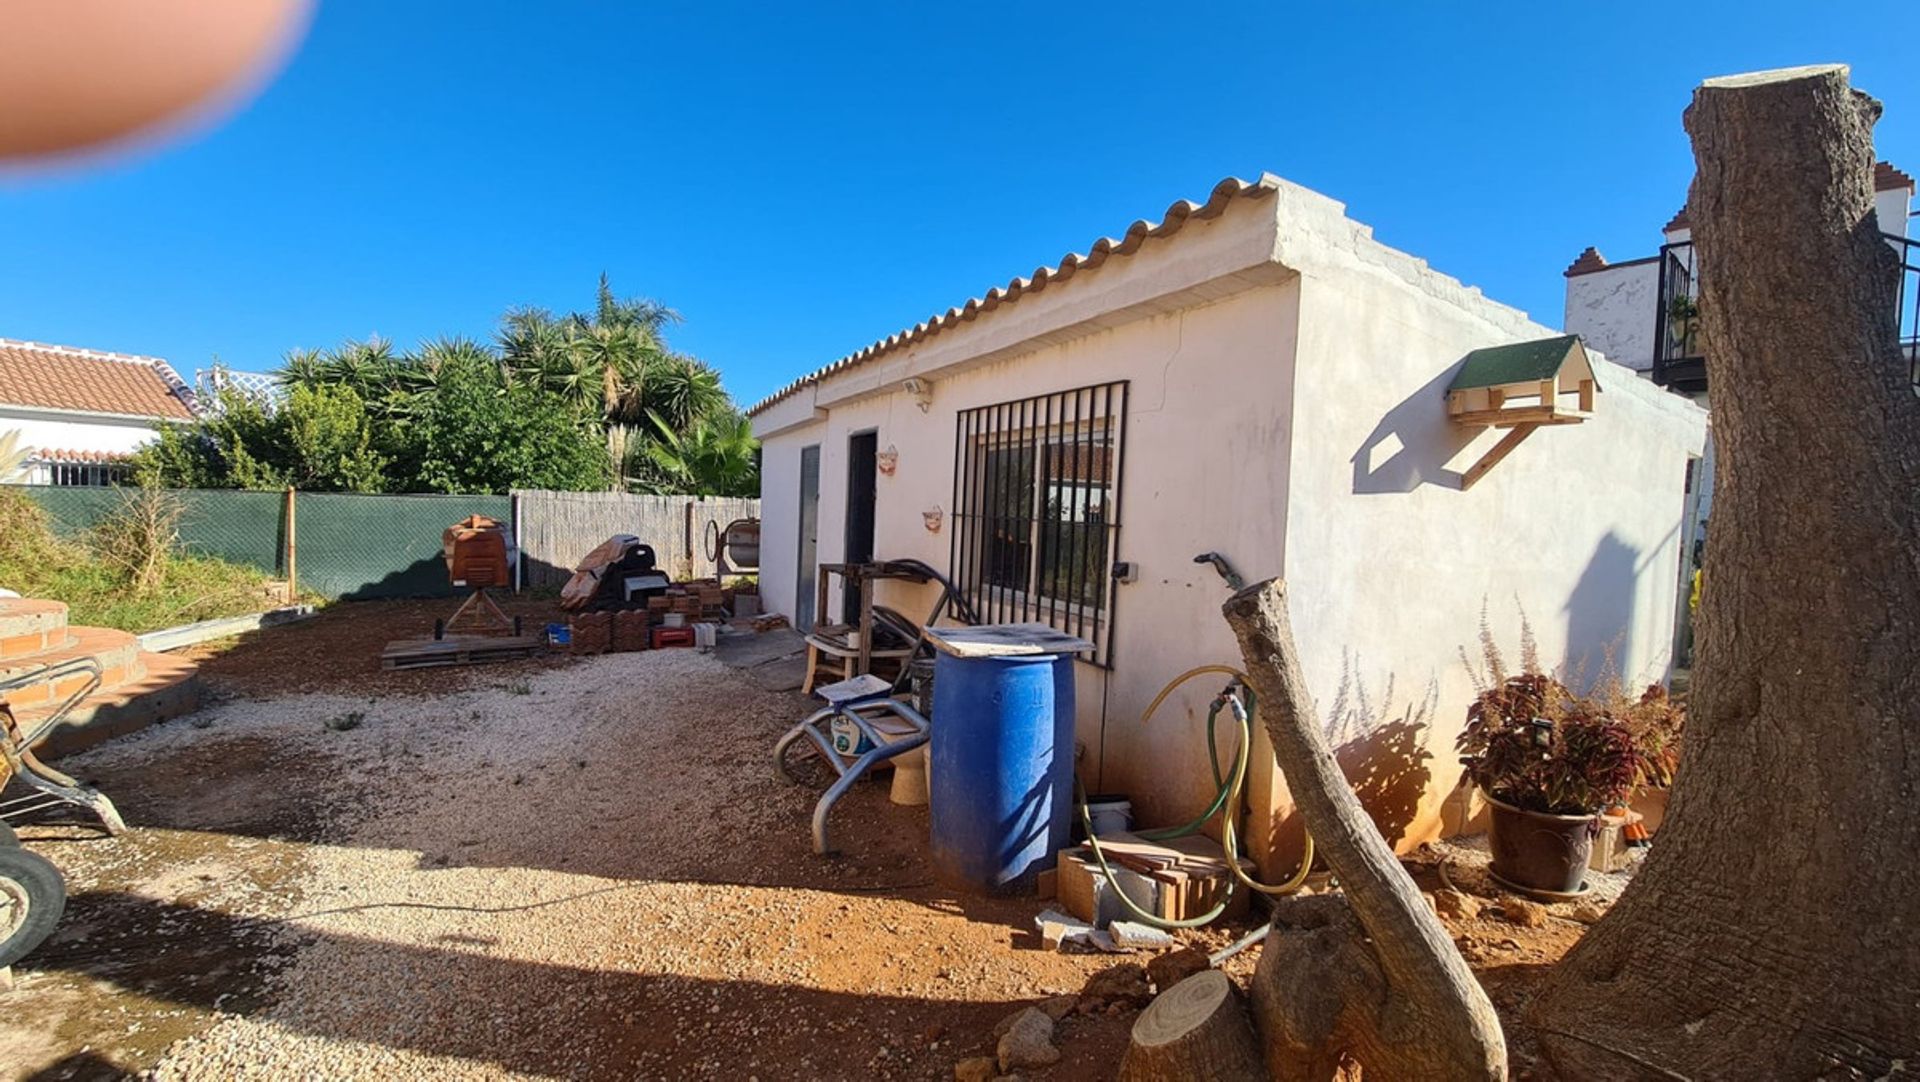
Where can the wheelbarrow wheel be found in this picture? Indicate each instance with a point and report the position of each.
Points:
(32, 896)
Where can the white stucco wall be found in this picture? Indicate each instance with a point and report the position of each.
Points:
(1613, 311)
(1206, 437)
(1390, 563)
(1337, 473)
(1891, 207)
(76, 431)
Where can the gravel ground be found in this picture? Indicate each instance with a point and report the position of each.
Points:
(552, 869)
(583, 871)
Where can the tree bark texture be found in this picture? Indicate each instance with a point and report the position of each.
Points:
(1373, 979)
(1196, 1031)
(1774, 931)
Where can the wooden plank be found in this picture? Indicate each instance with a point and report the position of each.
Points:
(459, 650)
(1521, 415)
(1493, 456)
(1005, 640)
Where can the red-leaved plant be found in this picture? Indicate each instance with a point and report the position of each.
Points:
(1579, 759)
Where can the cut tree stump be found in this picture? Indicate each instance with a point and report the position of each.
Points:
(1197, 1029)
(1370, 977)
(1774, 930)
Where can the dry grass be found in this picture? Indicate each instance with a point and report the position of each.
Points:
(128, 573)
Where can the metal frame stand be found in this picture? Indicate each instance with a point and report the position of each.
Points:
(51, 787)
(857, 700)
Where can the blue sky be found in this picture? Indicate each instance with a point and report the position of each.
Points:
(799, 183)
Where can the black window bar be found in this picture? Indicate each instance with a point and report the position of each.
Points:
(1036, 523)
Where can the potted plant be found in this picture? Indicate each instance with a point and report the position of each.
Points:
(1550, 764)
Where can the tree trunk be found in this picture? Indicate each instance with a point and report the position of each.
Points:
(1197, 1030)
(1775, 929)
(1379, 984)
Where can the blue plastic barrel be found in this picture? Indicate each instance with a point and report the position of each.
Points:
(1002, 769)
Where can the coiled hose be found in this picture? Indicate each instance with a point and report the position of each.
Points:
(1226, 802)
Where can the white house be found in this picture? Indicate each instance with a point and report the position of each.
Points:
(1253, 376)
(1642, 313)
(82, 411)
(1639, 312)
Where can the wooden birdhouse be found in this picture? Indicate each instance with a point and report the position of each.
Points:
(1521, 387)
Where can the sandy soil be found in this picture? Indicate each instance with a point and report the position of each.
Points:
(576, 869)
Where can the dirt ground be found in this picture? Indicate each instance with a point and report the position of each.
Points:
(557, 868)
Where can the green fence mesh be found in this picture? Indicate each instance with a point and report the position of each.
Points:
(358, 547)
(239, 527)
(348, 546)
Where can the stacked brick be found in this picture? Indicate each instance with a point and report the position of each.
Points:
(632, 630)
(591, 632)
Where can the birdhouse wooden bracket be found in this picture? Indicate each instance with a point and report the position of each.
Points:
(1521, 387)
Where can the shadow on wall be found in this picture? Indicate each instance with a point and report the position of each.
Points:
(1389, 773)
(1412, 444)
(1599, 615)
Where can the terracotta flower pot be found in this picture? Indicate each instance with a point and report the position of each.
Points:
(1539, 851)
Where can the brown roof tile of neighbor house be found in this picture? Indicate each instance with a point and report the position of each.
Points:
(83, 458)
(1885, 179)
(1590, 260)
(39, 376)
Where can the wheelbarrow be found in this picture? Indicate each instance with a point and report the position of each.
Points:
(50, 787)
(32, 892)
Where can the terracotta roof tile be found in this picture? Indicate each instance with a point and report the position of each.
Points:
(40, 376)
(46, 454)
(1137, 234)
(1590, 260)
(1886, 178)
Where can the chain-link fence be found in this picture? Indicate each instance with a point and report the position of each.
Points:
(357, 547)
(366, 546)
(239, 527)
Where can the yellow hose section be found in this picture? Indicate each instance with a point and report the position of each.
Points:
(1228, 841)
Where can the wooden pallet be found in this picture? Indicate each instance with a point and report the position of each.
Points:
(458, 650)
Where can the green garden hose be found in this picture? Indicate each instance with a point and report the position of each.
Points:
(1226, 802)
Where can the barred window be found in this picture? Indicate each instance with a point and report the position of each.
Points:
(89, 474)
(1036, 520)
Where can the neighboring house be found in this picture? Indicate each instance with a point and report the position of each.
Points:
(1254, 376)
(1643, 312)
(82, 411)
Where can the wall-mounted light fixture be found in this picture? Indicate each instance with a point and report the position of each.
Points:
(920, 390)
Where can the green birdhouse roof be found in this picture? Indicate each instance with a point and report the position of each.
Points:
(1521, 362)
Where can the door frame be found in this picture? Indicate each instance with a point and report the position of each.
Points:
(806, 581)
(870, 482)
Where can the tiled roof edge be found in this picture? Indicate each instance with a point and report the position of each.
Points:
(1177, 215)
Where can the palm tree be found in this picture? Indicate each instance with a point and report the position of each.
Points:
(301, 367)
(715, 456)
(13, 454)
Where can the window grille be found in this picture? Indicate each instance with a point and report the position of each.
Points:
(89, 474)
(1036, 522)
